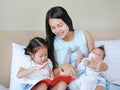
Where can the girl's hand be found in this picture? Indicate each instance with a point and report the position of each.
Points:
(41, 66)
(68, 69)
(97, 64)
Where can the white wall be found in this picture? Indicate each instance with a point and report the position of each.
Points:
(30, 14)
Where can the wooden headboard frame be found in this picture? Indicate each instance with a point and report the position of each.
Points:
(105, 34)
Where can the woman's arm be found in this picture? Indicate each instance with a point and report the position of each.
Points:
(96, 65)
(90, 41)
(56, 71)
(66, 68)
(51, 74)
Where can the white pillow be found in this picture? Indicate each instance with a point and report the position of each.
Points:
(112, 49)
(18, 58)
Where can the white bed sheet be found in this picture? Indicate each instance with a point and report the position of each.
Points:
(113, 61)
(3, 87)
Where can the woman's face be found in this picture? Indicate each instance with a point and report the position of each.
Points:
(59, 27)
(40, 57)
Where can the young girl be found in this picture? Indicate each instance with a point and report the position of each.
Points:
(38, 68)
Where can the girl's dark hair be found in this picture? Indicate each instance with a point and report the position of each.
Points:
(56, 12)
(34, 45)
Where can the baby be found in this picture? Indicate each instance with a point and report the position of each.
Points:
(88, 79)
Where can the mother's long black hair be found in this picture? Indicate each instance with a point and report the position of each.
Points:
(56, 12)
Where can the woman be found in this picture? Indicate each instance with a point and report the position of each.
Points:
(61, 36)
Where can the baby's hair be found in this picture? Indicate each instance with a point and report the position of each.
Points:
(34, 45)
(103, 49)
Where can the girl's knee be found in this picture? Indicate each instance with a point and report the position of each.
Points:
(62, 83)
(40, 86)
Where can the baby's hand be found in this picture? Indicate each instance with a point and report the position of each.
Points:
(81, 56)
(79, 59)
(86, 62)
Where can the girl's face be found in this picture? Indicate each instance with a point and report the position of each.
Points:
(40, 56)
(59, 28)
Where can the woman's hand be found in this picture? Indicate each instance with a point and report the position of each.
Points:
(68, 69)
(97, 64)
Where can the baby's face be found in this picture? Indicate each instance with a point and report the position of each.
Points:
(98, 53)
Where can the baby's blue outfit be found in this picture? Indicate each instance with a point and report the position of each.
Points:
(62, 46)
(88, 79)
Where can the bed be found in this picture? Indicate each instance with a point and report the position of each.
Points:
(108, 37)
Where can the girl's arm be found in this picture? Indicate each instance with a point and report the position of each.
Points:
(24, 72)
(94, 63)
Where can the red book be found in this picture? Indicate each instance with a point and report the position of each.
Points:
(52, 82)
